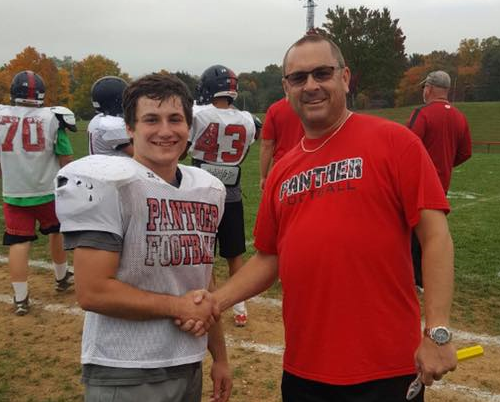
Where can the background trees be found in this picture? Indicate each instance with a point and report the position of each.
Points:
(373, 46)
(56, 83)
(85, 73)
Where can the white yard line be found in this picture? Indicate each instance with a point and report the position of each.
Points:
(277, 350)
(470, 204)
(482, 339)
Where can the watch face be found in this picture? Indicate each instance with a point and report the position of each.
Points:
(441, 335)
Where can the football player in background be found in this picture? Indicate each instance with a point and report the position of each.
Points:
(143, 230)
(107, 133)
(220, 139)
(34, 147)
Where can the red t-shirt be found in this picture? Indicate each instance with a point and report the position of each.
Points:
(445, 134)
(340, 221)
(283, 126)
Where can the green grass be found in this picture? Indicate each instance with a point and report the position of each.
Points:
(474, 222)
(483, 117)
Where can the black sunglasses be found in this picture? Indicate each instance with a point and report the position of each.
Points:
(319, 74)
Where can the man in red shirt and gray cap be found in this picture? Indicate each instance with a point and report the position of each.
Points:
(445, 133)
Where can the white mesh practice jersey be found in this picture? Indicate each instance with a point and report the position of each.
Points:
(28, 136)
(221, 136)
(168, 247)
(106, 133)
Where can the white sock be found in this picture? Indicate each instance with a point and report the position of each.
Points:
(60, 270)
(240, 308)
(20, 290)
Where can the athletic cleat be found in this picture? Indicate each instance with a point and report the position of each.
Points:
(22, 307)
(65, 283)
(240, 320)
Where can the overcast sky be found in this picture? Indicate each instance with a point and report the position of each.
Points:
(190, 35)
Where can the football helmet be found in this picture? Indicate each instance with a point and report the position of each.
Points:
(27, 88)
(216, 81)
(107, 94)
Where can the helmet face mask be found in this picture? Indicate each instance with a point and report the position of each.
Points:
(107, 94)
(216, 81)
(27, 88)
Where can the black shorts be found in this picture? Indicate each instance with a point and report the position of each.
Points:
(296, 389)
(231, 234)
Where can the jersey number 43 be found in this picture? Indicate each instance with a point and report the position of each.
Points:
(208, 142)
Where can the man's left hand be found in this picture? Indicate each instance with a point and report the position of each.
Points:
(434, 361)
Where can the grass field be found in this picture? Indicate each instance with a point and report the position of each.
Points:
(474, 223)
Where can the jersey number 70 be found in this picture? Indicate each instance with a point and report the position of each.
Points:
(27, 124)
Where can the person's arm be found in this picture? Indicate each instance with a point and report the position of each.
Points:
(266, 157)
(98, 290)
(464, 150)
(220, 373)
(257, 275)
(433, 360)
(63, 148)
(63, 160)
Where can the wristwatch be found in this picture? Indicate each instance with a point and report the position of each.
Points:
(440, 335)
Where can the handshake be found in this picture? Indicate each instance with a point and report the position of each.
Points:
(198, 310)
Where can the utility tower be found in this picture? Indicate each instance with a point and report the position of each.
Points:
(310, 4)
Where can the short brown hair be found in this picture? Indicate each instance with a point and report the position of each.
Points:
(316, 38)
(158, 87)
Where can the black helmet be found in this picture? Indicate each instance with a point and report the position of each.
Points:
(216, 81)
(27, 87)
(107, 94)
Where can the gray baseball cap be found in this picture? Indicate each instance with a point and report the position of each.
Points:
(438, 78)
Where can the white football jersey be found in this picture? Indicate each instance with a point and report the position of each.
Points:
(28, 136)
(106, 133)
(168, 247)
(221, 136)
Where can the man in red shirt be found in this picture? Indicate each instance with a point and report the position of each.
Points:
(281, 132)
(334, 224)
(445, 133)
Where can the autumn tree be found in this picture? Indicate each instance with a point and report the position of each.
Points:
(86, 72)
(488, 83)
(56, 84)
(373, 46)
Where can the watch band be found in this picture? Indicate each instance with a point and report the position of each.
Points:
(441, 335)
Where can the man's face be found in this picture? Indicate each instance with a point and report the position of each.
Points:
(319, 103)
(160, 134)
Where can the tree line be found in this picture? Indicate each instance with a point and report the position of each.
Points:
(373, 44)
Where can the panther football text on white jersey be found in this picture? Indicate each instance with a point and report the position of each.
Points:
(221, 136)
(168, 247)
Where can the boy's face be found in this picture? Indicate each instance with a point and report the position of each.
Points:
(160, 134)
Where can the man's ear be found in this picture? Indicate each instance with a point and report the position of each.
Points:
(346, 78)
(284, 84)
